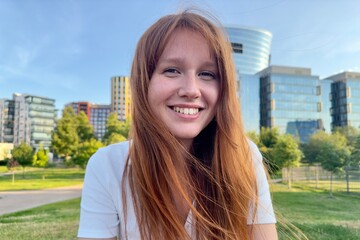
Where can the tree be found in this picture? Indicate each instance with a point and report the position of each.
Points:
(350, 133)
(11, 165)
(311, 148)
(333, 154)
(64, 138)
(352, 136)
(114, 138)
(125, 128)
(355, 154)
(269, 136)
(23, 154)
(286, 154)
(267, 141)
(40, 158)
(254, 137)
(115, 128)
(85, 151)
(84, 130)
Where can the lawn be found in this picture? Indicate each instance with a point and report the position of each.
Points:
(4, 169)
(317, 215)
(51, 222)
(42, 179)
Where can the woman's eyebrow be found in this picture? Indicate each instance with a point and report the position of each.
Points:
(179, 61)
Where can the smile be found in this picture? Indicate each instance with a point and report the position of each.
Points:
(187, 111)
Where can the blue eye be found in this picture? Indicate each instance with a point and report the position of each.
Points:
(207, 75)
(171, 72)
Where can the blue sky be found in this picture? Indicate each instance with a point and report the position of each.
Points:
(69, 49)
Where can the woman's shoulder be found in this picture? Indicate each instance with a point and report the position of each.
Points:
(255, 152)
(111, 157)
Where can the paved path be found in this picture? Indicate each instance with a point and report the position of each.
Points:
(14, 201)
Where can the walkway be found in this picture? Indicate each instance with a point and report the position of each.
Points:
(14, 201)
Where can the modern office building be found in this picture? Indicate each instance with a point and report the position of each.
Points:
(345, 99)
(121, 97)
(98, 118)
(251, 48)
(34, 120)
(251, 54)
(7, 114)
(326, 104)
(249, 96)
(290, 99)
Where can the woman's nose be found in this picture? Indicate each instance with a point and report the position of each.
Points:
(189, 87)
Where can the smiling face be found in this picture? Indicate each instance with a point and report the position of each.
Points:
(184, 88)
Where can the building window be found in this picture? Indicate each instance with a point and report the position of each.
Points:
(237, 47)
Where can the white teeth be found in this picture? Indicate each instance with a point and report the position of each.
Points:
(187, 111)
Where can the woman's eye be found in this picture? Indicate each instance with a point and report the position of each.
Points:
(207, 75)
(171, 72)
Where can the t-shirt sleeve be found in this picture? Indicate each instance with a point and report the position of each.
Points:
(265, 212)
(98, 214)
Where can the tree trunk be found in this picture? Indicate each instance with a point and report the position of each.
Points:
(331, 177)
(317, 176)
(289, 177)
(347, 180)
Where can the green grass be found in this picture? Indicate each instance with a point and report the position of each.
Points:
(316, 214)
(4, 169)
(42, 179)
(312, 211)
(54, 221)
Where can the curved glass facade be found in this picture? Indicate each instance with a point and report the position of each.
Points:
(251, 54)
(251, 48)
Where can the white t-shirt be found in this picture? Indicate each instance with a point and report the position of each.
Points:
(101, 203)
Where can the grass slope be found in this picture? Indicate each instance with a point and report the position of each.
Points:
(51, 222)
(42, 179)
(318, 215)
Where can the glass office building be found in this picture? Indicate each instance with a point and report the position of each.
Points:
(345, 99)
(290, 99)
(251, 54)
(251, 48)
(248, 94)
(326, 104)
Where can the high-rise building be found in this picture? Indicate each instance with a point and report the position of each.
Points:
(96, 113)
(290, 99)
(121, 97)
(251, 54)
(98, 118)
(81, 106)
(345, 99)
(34, 120)
(251, 48)
(7, 114)
(326, 104)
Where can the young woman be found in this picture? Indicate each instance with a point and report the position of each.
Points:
(188, 172)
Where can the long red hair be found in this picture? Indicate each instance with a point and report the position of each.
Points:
(215, 178)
